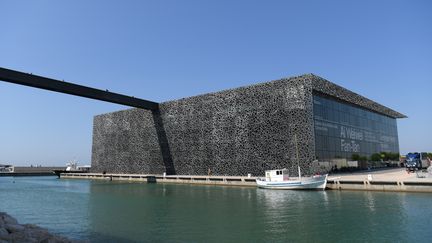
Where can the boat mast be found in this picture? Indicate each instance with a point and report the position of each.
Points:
(297, 155)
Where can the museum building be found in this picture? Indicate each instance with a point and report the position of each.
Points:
(245, 130)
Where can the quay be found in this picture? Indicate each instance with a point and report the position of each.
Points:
(181, 179)
(32, 171)
(395, 180)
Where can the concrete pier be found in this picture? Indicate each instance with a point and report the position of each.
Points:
(397, 180)
(33, 171)
(181, 179)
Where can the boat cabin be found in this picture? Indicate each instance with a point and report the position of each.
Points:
(84, 168)
(276, 175)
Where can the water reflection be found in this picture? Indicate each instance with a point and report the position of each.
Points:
(370, 201)
(190, 212)
(292, 215)
(310, 214)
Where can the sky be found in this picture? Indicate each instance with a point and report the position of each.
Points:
(169, 49)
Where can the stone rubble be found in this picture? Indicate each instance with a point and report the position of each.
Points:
(12, 231)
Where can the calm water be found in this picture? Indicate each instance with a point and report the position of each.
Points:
(103, 211)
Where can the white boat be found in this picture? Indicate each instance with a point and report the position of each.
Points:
(279, 179)
(7, 168)
(72, 167)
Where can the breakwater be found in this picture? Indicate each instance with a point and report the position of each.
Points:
(33, 171)
(12, 231)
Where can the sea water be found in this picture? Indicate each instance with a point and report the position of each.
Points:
(113, 211)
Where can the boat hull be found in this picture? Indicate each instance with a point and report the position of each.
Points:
(312, 183)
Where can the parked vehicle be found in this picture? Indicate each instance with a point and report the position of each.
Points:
(416, 161)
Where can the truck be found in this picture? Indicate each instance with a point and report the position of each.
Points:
(416, 161)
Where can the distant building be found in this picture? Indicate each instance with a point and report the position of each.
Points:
(245, 130)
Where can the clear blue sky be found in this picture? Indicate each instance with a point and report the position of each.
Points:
(163, 50)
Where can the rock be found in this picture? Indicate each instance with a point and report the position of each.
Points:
(55, 239)
(4, 233)
(7, 219)
(30, 239)
(18, 237)
(40, 234)
(5, 237)
(11, 231)
(32, 226)
(12, 228)
(22, 237)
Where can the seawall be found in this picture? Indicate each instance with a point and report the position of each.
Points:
(33, 171)
(395, 180)
(179, 179)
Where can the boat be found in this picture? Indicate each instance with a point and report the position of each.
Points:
(279, 179)
(72, 167)
(7, 168)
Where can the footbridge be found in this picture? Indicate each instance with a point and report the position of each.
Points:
(28, 79)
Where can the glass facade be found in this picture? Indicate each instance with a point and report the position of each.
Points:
(342, 130)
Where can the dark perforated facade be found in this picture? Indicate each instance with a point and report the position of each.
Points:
(233, 132)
